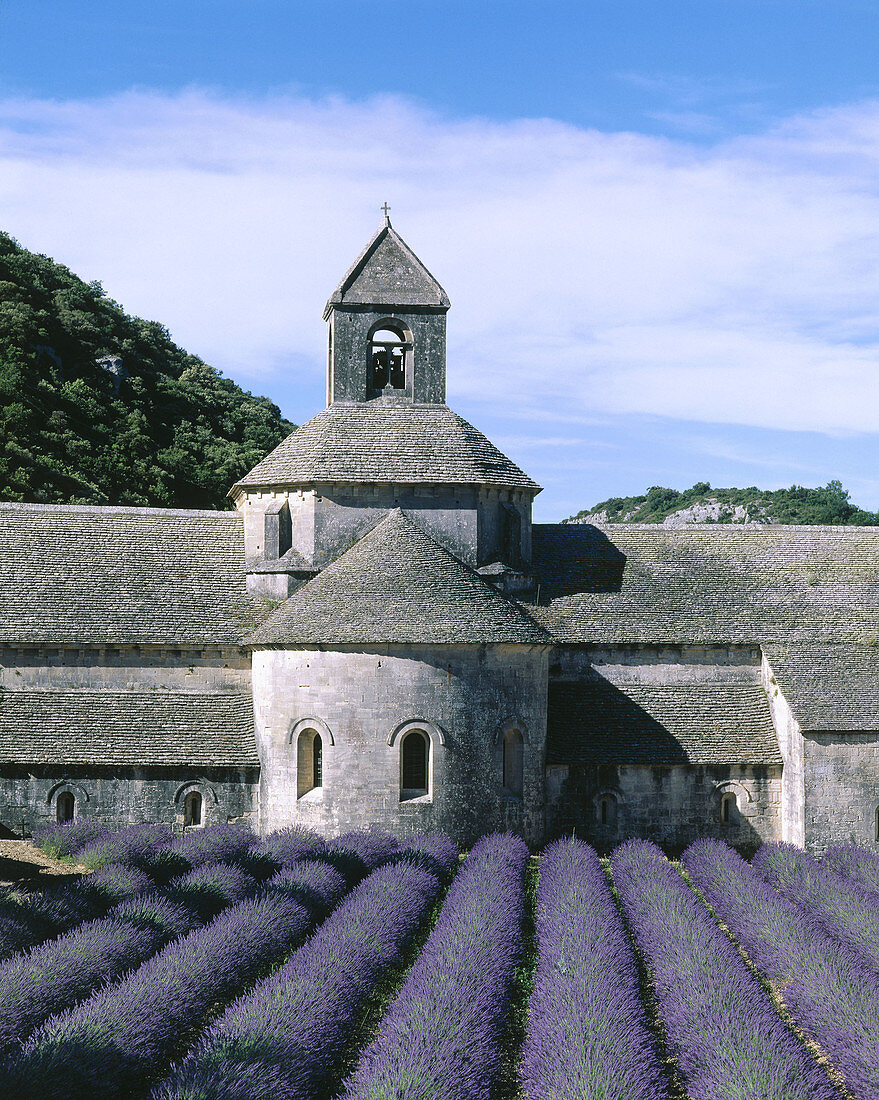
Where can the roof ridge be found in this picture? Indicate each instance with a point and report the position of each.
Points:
(398, 584)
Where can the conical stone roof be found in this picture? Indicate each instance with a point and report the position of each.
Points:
(383, 442)
(397, 585)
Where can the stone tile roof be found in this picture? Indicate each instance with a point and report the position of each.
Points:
(127, 728)
(829, 687)
(595, 722)
(92, 575)
(384, 442)
(397, 585)
(388, 273)
(733, 584)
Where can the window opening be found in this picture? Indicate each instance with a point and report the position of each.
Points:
(309, 762)
(192, 805)
(388, 360)
(877, 822)
(607, 811)
(414, 752)
(727, 805)
(64, 807)
(513, 763)
(317, 757)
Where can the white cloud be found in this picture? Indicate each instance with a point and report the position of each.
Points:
(597, 273)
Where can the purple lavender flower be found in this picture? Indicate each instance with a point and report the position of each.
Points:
(828, 988)
(721, 1026)
(841, 905)
(587, 1032)
(286, 846)
(854, 862)
(215, 844)
(111, 1045)
(135, 844)
(285, 1037)
(58, 841)
(442, 1035)
(210, 887)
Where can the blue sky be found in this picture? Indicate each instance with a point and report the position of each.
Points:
(658, 222)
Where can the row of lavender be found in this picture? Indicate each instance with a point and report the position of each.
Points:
(199, 968)
(751, 1009)
(712, 1031)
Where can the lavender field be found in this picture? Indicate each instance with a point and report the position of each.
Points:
(217, 966)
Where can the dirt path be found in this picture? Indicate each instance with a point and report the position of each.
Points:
(21, 864)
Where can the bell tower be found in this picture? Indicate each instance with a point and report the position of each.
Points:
(386, 328)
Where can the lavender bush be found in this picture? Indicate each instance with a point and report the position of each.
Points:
(138, 845)
(721, 1027)
(283, 1039)
(286, 846)
(435, 851)
(856, 863)
(316, 886)
(125, 1034)
(211, 887)
(112, 883)
(442, 1035)
(215, 844)
(28, 919)
(844, 908)
(587, 1034)
(828, 988)
(60, 841)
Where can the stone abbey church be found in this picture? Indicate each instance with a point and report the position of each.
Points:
(378, 634)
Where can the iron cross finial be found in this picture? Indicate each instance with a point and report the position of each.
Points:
(385, 209)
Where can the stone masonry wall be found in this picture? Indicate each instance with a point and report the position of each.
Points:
(672, 806)
(790, 742)
(357, 699)
(841, 781)
(123, 796)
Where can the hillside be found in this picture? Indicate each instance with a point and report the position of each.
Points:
(701, 504)
(151, 425)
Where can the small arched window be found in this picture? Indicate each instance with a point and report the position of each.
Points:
(728, 806)
(309, 762)
(192, 809)
(607, 810)
(414, 761)
(513, 763)
(387, 360)
(65, 805)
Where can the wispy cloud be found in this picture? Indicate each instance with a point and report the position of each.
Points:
(592, 274)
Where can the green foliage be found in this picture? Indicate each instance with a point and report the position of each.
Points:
(170, 432)
(828, 504)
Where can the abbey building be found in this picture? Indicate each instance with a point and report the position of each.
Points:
(378, 634)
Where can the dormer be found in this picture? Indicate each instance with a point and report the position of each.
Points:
(387, 328)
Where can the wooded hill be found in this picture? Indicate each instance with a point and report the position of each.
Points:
(151, 425)
(829, 504)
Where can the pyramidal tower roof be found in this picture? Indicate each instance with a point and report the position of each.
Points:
(388, 273)
(397, 585)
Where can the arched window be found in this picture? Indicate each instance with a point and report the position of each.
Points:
(414, 760)
(607, 810)
(387, 360)
(192, 809)
(877, 822)
(65, 804)
(513, 761)
(728, 805)
(309, 762)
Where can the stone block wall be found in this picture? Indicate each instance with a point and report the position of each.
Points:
(672, 806)
(841, 789)
(790, 742)
(123, 796)
(362, 701)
